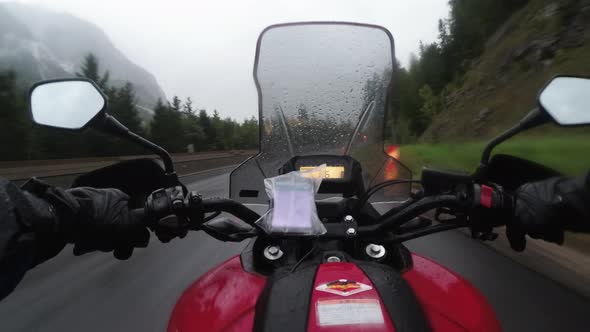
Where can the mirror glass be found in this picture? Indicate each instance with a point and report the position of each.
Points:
(567, 100)
(66, 104)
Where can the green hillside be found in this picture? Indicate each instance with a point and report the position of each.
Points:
(542, 39)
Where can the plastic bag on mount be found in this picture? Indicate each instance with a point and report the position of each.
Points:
(292, 203)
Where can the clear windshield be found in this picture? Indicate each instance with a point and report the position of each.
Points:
(322, 90)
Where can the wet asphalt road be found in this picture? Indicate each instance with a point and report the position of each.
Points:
(96, 292)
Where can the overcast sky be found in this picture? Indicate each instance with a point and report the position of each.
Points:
(205, 49)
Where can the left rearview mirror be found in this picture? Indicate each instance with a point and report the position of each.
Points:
(67, 103)
(567, 100)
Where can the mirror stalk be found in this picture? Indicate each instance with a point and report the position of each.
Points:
(534, 118)
(112, 126)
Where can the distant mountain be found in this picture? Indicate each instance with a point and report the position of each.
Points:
(42, 44)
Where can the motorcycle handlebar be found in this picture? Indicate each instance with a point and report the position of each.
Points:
(482, 196)
(419, 207)
(209, 205)
(232, 207)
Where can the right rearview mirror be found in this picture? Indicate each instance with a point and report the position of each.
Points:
(567, 100)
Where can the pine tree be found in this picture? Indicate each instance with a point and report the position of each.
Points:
(90, 69)
(218, 142)
(193, 131)
(167, 128)
(248, 134)
(177, 104)
(188, 107)
(208, 130)
(123, 107)
(15, 125)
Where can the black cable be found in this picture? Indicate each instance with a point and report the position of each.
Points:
(397, 209)
(211, 217)
(371, 191)
(302, 259)
(424, 205)
(427, 231)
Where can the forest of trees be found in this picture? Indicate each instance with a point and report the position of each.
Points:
(419, 91)
(418, 94)
(175, 125)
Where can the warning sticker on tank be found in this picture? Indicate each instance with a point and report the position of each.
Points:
(349, 312)
(343, 287)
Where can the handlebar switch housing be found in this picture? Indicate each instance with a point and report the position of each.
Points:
(166, 201)
(159, 203)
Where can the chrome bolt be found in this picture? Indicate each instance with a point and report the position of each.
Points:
(351, 232)
(375, 251)
(273, 250)
(349, 218)
(333, 259)
(273, 253)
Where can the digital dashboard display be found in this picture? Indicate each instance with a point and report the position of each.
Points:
(332, 172)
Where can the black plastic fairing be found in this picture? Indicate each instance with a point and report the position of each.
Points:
(397, 296)
(285, 300)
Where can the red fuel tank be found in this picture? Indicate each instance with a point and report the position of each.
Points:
(221, 300)
(224, 299)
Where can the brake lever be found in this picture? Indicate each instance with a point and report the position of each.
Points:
(228, 230)
(415, 224)
(440, 212)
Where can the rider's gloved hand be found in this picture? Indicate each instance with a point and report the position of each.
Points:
(91, 219)
(104, 223)
(545, 209)
(38, 220)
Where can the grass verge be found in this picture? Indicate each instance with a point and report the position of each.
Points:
(568, 154)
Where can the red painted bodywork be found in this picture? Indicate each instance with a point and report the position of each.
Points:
(224, 299)
(221, 300)
(334, 271)
(450, 302)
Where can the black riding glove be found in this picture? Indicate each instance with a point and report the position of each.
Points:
(91, 219)
(104, 223)
(37, 221)
(545, 209)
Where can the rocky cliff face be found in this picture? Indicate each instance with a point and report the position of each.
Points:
(545, 38)
(41, 44)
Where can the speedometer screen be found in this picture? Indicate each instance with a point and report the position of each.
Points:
(332, 172)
